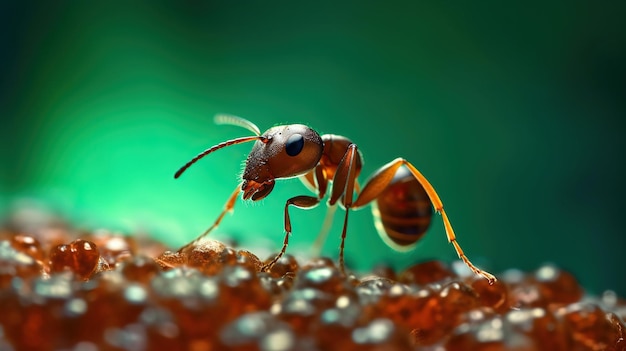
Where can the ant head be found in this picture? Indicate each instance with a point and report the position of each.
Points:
(281, 152)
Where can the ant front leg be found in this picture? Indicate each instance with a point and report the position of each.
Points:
(301, 201)
(230, 204)
(381, 179)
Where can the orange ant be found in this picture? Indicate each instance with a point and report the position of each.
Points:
(402, 197)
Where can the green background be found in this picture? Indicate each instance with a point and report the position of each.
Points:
(514, 112)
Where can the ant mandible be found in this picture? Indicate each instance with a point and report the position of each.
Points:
(401, 195)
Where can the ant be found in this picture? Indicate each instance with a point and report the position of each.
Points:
(402, 198)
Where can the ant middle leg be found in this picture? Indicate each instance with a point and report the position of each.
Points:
(301, 201)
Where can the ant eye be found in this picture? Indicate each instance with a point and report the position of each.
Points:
(294, 144)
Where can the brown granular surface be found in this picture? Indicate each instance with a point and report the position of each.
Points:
(101, 291)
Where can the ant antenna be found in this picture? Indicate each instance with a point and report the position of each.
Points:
(223, 118)
(217, 147)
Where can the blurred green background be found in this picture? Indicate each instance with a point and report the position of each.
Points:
(514, 112)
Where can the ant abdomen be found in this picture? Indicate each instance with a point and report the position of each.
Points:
(402, 212)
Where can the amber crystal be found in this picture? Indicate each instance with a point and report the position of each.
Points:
(539, 324)
(195, 302)
(335, 325)
(28, 245)
(287, 264)
(103, 292)
(610, 301)
(169, 259)
(418, 312)
(494, 295)
(380, 334)
(457, 298)
(301, 308)
(591, 328)
(139, 268)
(524, 290)
(427, 272)
(242, 287)
(80, 256)
(162, 331)
(557, 286)
(323, 277)
(384, 271)
(16, 264)
(491, 334)
(248, 259)
(113, 247)
(372, 288)
(257, 331)
(207, 255)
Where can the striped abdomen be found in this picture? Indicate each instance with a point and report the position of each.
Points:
(403, 211)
